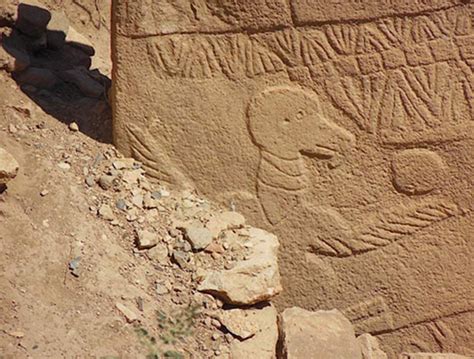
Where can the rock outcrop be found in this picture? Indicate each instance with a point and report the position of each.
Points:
(43, 50)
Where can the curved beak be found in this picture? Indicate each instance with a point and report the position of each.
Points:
(329, 142)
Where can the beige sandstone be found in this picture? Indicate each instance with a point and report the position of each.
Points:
(262, 323)
(57, 29)
(370, 347)
(345, 128)
(128, 313)
(8, 167)
(224, 220)
(252, 280)
(198, 236)
(78, 40)
(240, 323)
(322, 334)
(146, 239)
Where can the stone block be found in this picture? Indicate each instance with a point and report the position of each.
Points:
(322, 334)
(255, 330)
(350, 140)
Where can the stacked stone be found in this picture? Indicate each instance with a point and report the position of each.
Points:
(28, 31)
(247, 288)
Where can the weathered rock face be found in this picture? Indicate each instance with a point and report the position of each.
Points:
(370, 347)
(253, 280)
(8, 167)
(322, 334)
(255, 330)
(343, 127)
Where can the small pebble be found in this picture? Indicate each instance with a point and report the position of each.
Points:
(129, 314)
(64, 166)
(181, 259)
(146, 239)
(137, 200)
(216, 323)
(90, 181)
(164, 193)
(140, 304)
(74, 127)
(161, 289)
(106, 182)
(121, 204)
(106, 212)
(156, 195)
(74, 266)
(16, 334)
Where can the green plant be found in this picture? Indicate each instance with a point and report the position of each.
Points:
(173, 355)
(177, 326)
(172, 328)
(149, 342)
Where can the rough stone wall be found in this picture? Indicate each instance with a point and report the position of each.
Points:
(346, 127)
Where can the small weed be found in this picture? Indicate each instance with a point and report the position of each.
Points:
(172, 329)
(173, 355)
(178, 326)
(149, 342)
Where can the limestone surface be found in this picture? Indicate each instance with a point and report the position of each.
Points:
(344, 127)
(253, 280)
(263, 323)
(370, 347)
(8, 167)
(322, 334)
(225, 220)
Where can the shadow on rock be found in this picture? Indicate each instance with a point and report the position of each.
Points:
(51, 62)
